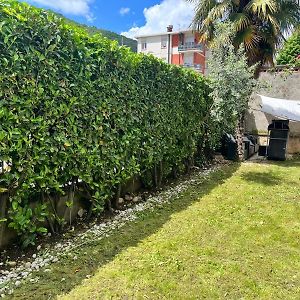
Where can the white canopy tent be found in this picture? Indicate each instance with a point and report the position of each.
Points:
(281, 108)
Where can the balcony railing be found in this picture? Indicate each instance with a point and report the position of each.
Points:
(196, 67)
(190, 46)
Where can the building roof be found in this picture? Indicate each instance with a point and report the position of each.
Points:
(162, 33)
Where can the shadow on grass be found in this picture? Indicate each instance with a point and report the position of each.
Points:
(290, 163)
(69, 273)
(265, 178)
(271, 178)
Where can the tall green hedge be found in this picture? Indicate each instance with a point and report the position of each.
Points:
(80, 109)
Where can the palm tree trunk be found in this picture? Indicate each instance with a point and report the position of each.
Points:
(239, 135)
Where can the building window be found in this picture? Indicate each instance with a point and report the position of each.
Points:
(144, 45)
(198, 67)
(164, 42)
(181, 38)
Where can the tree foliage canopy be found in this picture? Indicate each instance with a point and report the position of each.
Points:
(290, 51)
(259, 25)
(232, 81)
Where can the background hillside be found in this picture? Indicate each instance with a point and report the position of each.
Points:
(122, 40)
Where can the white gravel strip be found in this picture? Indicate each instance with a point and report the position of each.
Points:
(43, 258)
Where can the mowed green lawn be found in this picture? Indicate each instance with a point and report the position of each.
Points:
(234, 235)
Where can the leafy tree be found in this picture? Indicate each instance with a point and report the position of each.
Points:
(231, 82)
(258, 25)
(290, 52)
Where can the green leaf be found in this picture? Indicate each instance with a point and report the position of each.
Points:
(15, 205)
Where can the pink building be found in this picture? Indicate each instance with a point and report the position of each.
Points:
(179, 48)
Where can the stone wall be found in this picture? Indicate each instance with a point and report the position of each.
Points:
(69, 214)
(278, 84)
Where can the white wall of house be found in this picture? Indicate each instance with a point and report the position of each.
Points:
(156, 45)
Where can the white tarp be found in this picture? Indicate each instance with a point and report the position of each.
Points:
(282, 108)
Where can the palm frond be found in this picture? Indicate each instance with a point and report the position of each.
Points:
(274, 24)
(288, 15)
(262, 8)
(248, 36)
(240, 21)
(220, 10)
(202, 9)
(259, 25)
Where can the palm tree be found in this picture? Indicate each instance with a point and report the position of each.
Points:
(259, 25)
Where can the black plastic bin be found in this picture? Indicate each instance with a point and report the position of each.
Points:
(278, 139)
(262, 150)
(229, 147)
(246, 143)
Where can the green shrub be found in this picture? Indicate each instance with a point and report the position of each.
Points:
(80, 110)
(291, 49)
